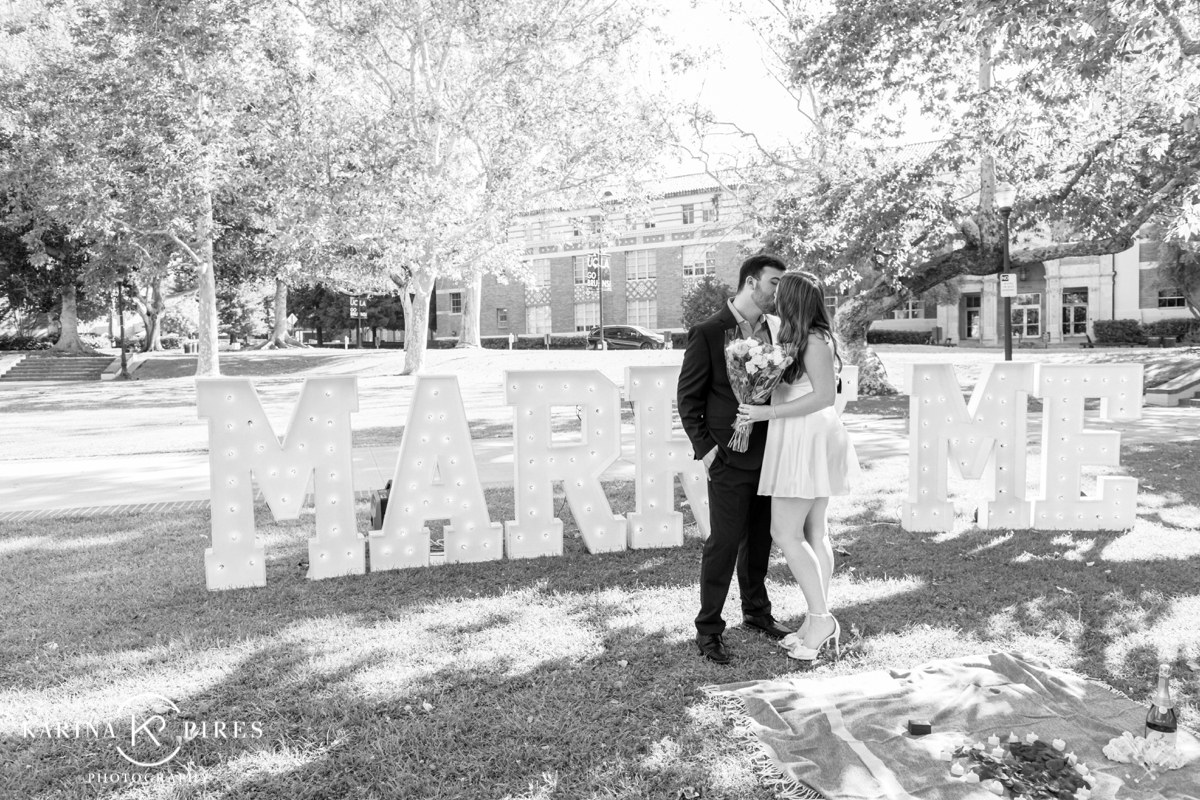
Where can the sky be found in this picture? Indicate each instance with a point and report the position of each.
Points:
(738, 78)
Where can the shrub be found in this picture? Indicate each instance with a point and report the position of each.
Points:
(95, 339)
(170, 341)
(703, 299)
(18, 341)
(1179, 327)
(132, 344)
(1119, 331)
(679, 340)
(884, 336)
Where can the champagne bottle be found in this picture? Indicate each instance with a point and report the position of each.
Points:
(1161, 722)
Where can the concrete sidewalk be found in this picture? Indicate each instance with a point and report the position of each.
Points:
(82, 486)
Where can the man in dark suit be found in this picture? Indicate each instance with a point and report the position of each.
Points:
(739, 519)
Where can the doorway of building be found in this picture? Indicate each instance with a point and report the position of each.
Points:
(1074, 312)
(972, 319)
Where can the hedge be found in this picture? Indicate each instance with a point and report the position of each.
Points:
(1119, 331)
(1179, 327)
(16, 341)
(884, 336)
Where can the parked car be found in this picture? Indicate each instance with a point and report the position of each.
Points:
(625, 337)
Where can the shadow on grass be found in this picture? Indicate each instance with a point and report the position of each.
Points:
(520, 662)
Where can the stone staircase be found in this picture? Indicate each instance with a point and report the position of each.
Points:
(38, 367)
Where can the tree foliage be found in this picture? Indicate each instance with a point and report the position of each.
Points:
(1088, 107)
(702, 299)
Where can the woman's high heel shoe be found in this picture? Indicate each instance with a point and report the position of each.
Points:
(802, 653)
(796, 637)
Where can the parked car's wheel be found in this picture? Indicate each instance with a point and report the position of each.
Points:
(646, 346)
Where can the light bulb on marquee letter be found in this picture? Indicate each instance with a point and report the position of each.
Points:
(435, 478)
(241, 442)
(538, 462)
(659, 455)
(1067, 447)
(985, 438)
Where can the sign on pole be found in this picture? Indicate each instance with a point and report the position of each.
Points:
(1008, 284)
(596, 272)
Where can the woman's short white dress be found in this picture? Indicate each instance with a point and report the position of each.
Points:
(809, 456)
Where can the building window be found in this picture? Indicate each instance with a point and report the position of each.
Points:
(713, 212)
(456, 302)
(649, 224)
(587, 315)
(540, 267)
(831, 304)
(594, 224)
(913, 309)
(689, 214)
(537, 319)
(501, 317)
(973, 306)
(534, 231)
(1027, 315)
(642, 312)
(699, 260)
(580, 263)
(640, 264)
(1074, 312)
(1171, 298)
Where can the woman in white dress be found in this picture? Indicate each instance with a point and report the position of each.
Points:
(809, 456)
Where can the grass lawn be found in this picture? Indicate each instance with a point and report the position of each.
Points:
(571, 677)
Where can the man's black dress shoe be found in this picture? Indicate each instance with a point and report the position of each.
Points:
(712, 647)
(767, 625)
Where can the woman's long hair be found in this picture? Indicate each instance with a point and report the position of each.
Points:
(800, 301)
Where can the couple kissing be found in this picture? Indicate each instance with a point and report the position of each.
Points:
(799, 455)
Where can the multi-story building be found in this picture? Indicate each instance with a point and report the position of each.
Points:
(1058, 301)
(694, 228)
(698, 228)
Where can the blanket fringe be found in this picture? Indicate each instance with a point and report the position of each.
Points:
(768, 772)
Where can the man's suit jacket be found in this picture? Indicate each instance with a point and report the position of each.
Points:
(707, 404)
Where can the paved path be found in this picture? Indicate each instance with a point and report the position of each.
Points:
(35, 488)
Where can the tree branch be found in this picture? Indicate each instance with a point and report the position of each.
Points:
(1187, 45)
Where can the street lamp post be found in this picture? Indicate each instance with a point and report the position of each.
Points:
(603, 345)
(1005, 194)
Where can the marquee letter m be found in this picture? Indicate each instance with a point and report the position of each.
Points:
(242, 443)
(983, 440)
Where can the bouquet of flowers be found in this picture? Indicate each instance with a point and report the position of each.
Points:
(754, 369)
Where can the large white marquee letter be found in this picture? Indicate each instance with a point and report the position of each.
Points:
(435, 478)
(989, 436)
(241, 442)
(1066, 446)
(658, 457)
(538, 462)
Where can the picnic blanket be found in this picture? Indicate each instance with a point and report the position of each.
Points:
(846, 737)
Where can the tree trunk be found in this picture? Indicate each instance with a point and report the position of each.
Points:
(472, 297)
(320, 335)
(151, 309)
(416, 324)
(280, 338)
(208, 362)
(68, 323)
(872, 375)
(852, 322)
